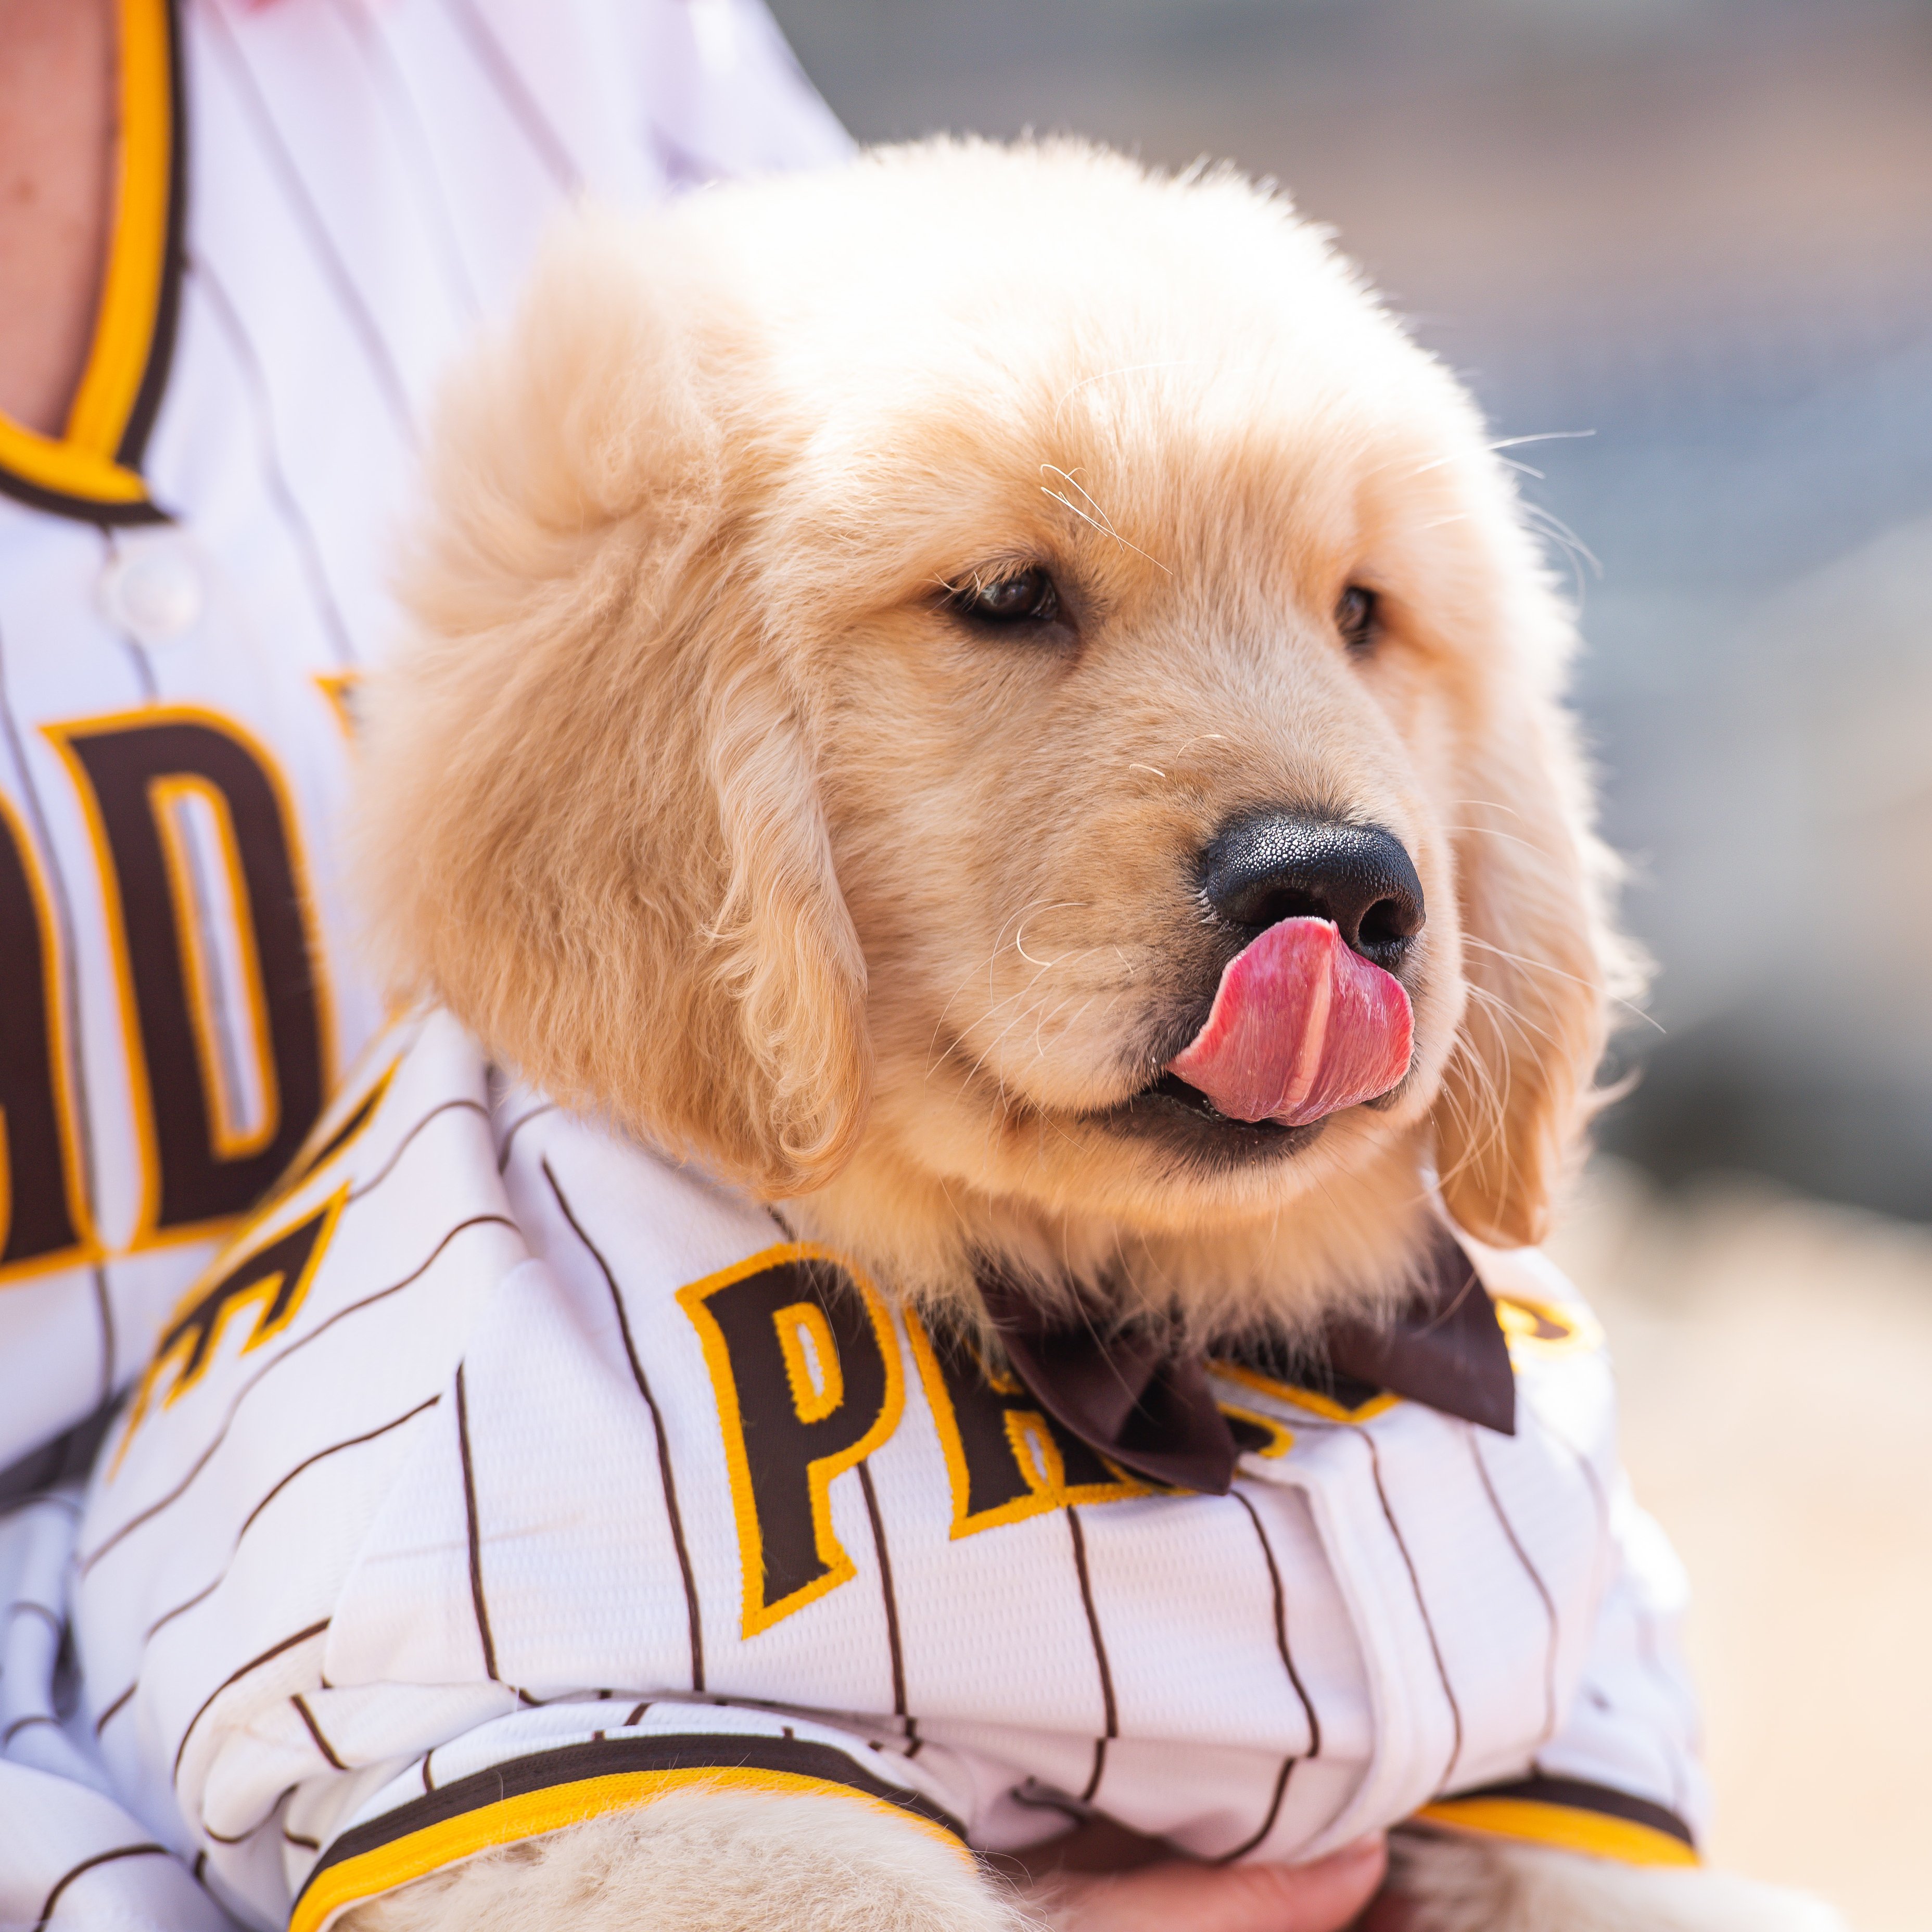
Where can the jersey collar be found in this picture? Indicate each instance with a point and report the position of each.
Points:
(93, 468)
(1149, 1407)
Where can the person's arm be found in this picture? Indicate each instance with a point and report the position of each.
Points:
(1620, 1778)
(1323, 1897)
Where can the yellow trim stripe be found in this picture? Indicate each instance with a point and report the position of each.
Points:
(83, 461)
(371, 1873)
(64, 471)
(1027, 1429)
(1281, 1437)
(131, 291)
(1594, 1833)
(759, 1614)
(62, 736)
(1310, 1399)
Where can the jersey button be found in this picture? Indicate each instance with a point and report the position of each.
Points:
(152, 589)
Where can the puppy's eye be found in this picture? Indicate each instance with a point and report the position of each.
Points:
(1027, 596)
(1358, 618)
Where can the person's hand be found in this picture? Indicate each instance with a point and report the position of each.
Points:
(1174, 1896)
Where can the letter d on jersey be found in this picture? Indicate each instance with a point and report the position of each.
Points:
(805, 1370)
(195, 836)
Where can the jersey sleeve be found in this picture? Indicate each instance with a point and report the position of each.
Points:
(1621, 1778)
(724, 95)
(537, 1769)
(67, 1848)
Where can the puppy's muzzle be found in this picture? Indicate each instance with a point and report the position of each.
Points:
(1265, 867)
(1309, 1018)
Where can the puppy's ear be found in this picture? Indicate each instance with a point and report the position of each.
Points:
(589, 823)
(1541, 963)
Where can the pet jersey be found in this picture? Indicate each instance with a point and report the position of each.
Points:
(502, 1471)
(317, 201)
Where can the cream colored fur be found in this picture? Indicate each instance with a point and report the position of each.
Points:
(692, 796)
(1474, 1886)
(692, 799)
(708, 1861)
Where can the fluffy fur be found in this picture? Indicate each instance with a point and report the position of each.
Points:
(695, 800)
(1447, 1885)
(708, 1861)
(695, 795)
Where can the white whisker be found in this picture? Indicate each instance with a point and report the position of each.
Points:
(1099, 519)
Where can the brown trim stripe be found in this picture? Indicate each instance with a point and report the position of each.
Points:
(871, 1496)
(103, 1302)
(1576, 1794)
(476, 1597)
(105, 427)
(235, 1677)
(516, 1127)
(1267, 1824)
(402, 1147)
(242, 1837)
(1571, 1816)
(378, 358)
(1529, 1569)
(174, 1495)
(301, 532)
(114, 1709)
(573, 1763)
(1109, 1710)
(321, 1744)
(1281, 1628)
(1099, 1772)
(666, 1479)
(333, 1449)
(1421, 1605)
(53, 1897)
(187, 1603)
(208, 1589)
(25, 1606)
(518, 101)
(366, 26)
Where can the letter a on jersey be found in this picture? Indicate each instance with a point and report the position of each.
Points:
(805, 1370)
(273, 1279)
(1007, 1458)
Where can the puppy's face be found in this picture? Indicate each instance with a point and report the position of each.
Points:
(898, 653)
(1172, 659)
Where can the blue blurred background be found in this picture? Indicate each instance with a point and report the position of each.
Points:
(1687, 241)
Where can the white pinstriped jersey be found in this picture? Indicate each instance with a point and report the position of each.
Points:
(318, 200)
(501, 1469)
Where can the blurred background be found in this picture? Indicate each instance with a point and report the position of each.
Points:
(1689, 243)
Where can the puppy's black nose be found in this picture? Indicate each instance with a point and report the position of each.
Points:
(1269, 866)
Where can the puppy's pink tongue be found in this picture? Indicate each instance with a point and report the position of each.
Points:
(1301, 1026)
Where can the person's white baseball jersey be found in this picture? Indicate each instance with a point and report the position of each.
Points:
(502, 1471)
(317, 201)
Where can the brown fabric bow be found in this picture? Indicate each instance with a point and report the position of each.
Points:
(1148, 1405)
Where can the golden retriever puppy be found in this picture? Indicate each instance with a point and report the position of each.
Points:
(856, 610)
(996, 704)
